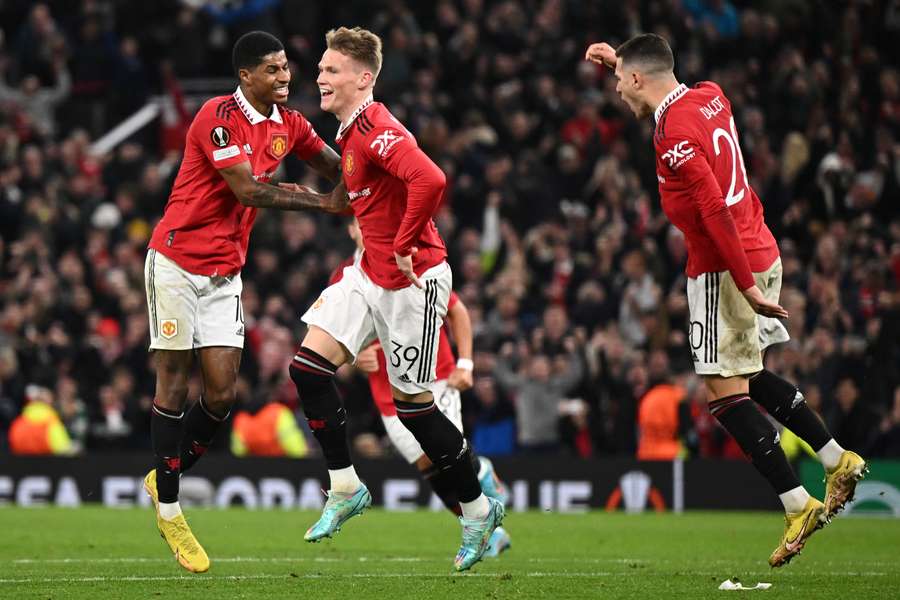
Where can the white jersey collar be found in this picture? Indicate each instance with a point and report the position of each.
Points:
(344, 126)
(253, 115)
(670, 98)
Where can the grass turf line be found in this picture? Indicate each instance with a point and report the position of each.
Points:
(105, 553)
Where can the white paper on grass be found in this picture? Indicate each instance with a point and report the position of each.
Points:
(730, 585)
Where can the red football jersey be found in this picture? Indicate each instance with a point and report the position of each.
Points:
(381, 386)
(393, 189)
(205, 229)
(702, 179)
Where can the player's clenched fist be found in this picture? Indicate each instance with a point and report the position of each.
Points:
(602, 54)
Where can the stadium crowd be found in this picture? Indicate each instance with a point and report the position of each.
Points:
(571, 272)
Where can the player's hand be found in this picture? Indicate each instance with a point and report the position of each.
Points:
(761, 306)
(460, 379)
(367, 359)
(405, 264)
(602, 54)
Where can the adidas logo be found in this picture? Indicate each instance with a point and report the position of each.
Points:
(240, 331)
(405, 379)
(694, 355)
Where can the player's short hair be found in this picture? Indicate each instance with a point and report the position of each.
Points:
(359, 44)
(648, 52)
(249, 50)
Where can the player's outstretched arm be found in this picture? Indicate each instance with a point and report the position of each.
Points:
(327, 163)
(602, 54)
(262, 195)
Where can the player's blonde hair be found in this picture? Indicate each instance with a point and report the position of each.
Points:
(359, 44)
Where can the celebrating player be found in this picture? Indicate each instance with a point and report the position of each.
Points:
(734, 279)
(192, 271)
(452, 377)
(398, 293)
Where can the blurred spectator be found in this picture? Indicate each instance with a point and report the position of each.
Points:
(551, 214)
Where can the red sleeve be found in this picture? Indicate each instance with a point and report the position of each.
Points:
(307, 142)
(398, 154)
(685, 157)
(452, 301)
(219, 139)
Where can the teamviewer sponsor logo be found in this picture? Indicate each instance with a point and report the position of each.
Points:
(679, 154)
(360, 194)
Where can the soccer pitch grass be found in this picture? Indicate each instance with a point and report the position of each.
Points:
(111, 553)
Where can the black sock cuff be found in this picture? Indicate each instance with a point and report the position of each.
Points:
(308, 360)
(210, 414)
(720, 406)
(411, 410)
(165, 412)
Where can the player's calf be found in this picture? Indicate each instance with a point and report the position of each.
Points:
(448, 450)
(313, 375)
(758, 439)
(787, 405)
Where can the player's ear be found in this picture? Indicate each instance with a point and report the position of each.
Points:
(365, 79)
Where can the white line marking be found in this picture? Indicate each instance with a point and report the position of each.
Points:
(232, 559)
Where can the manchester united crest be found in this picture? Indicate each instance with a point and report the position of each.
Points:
(348, 162)
(279, 144)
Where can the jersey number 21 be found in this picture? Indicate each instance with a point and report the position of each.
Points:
(736, 189)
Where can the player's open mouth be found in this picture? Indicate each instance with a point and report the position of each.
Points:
(281, 91)
(325, 93)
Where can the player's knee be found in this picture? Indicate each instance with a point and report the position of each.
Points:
(219, 403)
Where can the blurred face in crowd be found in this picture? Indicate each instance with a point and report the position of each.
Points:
(630, 88)
(267, 83)
(343, 83)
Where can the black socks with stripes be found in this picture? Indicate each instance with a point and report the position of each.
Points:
(443, 444)
(757, 438)
(200, 427)
(313, 376)
(787, 405)
(165, 432)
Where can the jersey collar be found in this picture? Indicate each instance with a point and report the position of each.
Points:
(253, 115)
(344, 126)
(674, 95)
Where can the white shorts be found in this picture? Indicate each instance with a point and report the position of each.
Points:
(448, 401)
(727, 337)
(190, 311)
(407, 322)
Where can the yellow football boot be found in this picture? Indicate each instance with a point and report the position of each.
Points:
(840, 482)
(177, 534)
(797, 529)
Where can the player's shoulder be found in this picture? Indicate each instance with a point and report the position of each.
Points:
(381, 131)
(222, 108)
(291, 115)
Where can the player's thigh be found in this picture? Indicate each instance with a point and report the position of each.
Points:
(723, 329)
(449, 401)
(220, 314)
(173, 369)
(771, 331)
(219, 367)
(173, 297)
(340, 322)
(408, 322)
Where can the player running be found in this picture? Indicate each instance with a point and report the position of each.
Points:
(453, 376)
(734, 279)
(397, 293)
(193, 267)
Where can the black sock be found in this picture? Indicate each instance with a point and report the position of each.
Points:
(165, 433)
(200, 427)
(786, 404)
(757, 438)
(443, 444)
(444, 487)
(314, 377)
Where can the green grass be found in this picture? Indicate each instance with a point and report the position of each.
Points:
(105, 553)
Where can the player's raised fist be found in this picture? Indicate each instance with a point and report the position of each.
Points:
(602, 54)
